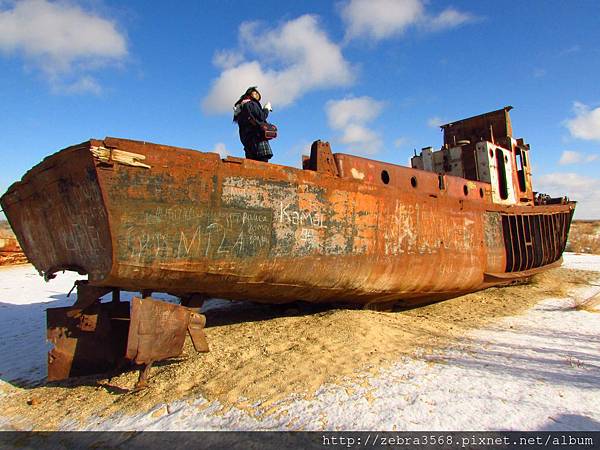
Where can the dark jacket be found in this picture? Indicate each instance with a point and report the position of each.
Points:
(250, 118)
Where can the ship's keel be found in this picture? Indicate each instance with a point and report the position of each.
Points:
(92, 337)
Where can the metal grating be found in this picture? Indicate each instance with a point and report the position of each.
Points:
(534, 240)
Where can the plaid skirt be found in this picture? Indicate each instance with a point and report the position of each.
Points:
(260, 150)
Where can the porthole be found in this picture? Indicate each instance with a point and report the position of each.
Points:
(385, 176)
(441, 183)
(466, 190)
(481, 192)
(505, 158)
(491, 153)
(413, 182)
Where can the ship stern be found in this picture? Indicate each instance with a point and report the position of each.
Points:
(59, 217)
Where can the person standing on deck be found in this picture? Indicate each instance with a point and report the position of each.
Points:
(250, 117)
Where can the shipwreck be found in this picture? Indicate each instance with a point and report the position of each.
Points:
(149, 218)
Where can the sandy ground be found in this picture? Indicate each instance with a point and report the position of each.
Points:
(524, 357)
(584, 236)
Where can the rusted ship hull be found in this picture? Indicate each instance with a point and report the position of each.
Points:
(141, 216)
(150, 218)
(10, 251)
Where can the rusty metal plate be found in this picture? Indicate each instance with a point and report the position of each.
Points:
(86, 343)
(157, 330)
(196, 330)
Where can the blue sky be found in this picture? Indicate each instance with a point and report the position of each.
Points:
(372, 77)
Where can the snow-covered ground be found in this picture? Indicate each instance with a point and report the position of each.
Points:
(537, 371)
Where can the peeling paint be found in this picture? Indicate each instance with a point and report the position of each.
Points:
(357, 174)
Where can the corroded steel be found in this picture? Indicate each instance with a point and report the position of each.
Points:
(241, 229)
(151, 218)
(157, 330)
(106, 335)
(10, 250)
(86, 342)
(9, 245)
(493, 126)
(196, 330)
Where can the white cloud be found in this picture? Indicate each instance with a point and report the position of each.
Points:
(221, 149)
(350, 117)
(571, 157)
(585, 190)
(381, 19)
(81, 85)
(226, 59)
(449, 18)
(586, 123)
(341, 113)
(435, 122)
(289, 61)
(59, 38)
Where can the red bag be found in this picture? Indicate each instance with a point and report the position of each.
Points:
(269, 131)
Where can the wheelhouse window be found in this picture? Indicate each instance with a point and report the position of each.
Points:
(521, 162)
(501, 168)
